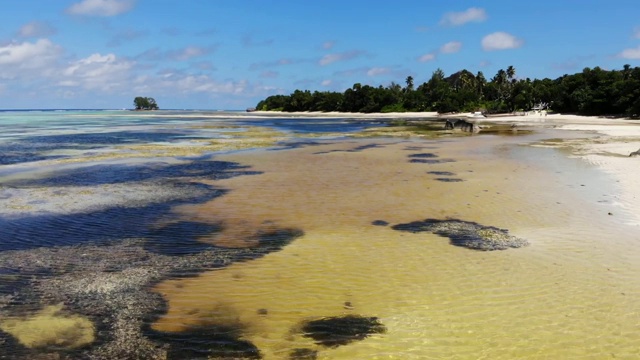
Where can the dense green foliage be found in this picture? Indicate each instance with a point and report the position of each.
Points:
(145, 103)
(590, 92)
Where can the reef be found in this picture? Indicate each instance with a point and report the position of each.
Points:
(466, 234)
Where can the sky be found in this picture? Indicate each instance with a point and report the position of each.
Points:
(229, 54)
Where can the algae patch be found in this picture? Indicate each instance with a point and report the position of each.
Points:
(466, 234)
(50, 328)
(342, 330)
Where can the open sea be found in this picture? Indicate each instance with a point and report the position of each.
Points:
(221, 234)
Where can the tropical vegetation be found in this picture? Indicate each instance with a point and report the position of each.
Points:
(590, 92)
(145, 103)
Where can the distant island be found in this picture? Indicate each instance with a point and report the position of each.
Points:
(590, 92)
(145, 103)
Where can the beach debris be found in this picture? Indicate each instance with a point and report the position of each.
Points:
(342, 330)
(635, 153)
(466, 234)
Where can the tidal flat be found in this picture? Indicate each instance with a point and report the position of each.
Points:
(319, 250)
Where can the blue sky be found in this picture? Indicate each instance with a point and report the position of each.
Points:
(228, 54)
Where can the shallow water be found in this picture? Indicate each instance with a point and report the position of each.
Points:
(570, 294)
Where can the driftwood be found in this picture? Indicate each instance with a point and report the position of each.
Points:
(635, 153)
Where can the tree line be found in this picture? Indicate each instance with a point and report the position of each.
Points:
(590, 92)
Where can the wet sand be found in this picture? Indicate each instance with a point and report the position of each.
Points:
(570, 294)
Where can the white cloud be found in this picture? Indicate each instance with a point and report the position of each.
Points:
(347, 55)
(632, 54)
(104, 72)
(36, 29)
(28, 59)
(101, 7)
(375, 71)
(427, 57)
(451, 47)
(500, 41)
(460, 18)
(326, 83)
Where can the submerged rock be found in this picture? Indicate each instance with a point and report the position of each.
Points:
(466, 233)
(342, 330)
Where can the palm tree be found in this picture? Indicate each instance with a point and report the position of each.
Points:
(481, 82)
(500, 78)
(409, 83)
(511, 72)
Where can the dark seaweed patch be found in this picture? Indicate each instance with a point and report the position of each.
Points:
(418, 148)
(119, 173)
(11, 280)
(431, 161)
(10, 347)
(356, 149)
(98, 227)
(107, 138)
(273, 240)
(379, 223)
(311, 125)
(180, 238)
(31, 148)
(206, 342)
(296, 145)
(303, 354)
(449, 179)
(441, 173)
(423, 156)
(342, 330)
(466, 234)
